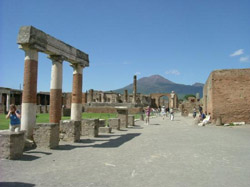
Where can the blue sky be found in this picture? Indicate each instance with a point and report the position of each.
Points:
(182, 40)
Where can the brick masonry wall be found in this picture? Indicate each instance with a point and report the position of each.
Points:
(228, 95)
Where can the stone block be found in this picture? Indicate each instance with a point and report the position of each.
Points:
(131, 120)
(123, 116)
(90, 127)
(70, 130)
(11, 144)
(102, 123)
(46, 135)
(105, 129)
(114, 123)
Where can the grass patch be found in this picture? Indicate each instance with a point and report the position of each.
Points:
(44, 118)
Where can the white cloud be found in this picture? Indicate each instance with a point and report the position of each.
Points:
(237, 53)
(244, 59)
(138, 73)
(173, 72)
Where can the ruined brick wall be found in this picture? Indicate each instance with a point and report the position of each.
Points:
(227, 95)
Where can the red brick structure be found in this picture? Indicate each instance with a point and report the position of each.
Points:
(226, 95)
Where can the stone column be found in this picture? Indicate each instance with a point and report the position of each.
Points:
(91, 93)
(56, 89)
(28, 119)
(125, 96)
(76, 105)
(134, 90)
(103, 98)
(8, 103)
(100, 98)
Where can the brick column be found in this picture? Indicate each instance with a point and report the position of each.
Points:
(55, 111)
(28, 118)
(76, 105)
(134, 90)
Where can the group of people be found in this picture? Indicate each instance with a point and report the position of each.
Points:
(203, 118)
(162, 111)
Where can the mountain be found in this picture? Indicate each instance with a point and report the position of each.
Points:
(159, 84)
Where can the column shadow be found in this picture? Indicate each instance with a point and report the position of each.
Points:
(14, 184)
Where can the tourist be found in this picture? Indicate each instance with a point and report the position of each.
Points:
(205, 121)
(171, 114)
(194, 112)
(200, 109)
(147, 111)
(167, 111)
(15, 117)
(202, 116)
(163, 112)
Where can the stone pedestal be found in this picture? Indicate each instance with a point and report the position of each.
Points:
(131, 120)
(90, 127)
(70, 130)
(11, 144)
(102, 123)
(123, 116)
(114, 123)
(105, 129)
(46, 135)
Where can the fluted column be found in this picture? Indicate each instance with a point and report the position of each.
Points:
(76, 105)
(28, 119)
(56, 89)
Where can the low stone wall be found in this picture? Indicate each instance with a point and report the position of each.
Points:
(11, 144)
(46, 135)
(105, 129)
(110, 110)
(114, 123)
(90, 127)
(131, 120)
(70, 130)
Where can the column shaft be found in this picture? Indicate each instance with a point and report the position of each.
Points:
(134, 90)
(8, 103)
(28, 117)
(76, 105)
(56, 90)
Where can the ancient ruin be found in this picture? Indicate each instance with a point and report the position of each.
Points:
(226, 95)
(33, 41)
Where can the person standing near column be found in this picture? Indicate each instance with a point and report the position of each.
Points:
(15, 117)
(147, 111)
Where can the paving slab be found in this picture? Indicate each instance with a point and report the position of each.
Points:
(164, 153)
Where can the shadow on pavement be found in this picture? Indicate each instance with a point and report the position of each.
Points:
(154, 124)
(14, 184)
(118, 141)
(27, 157)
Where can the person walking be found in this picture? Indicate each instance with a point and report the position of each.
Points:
(171, 114)
(147, 111)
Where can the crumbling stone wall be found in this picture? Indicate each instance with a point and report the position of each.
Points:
(227, 95)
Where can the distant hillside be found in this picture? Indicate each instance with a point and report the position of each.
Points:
(158, 84)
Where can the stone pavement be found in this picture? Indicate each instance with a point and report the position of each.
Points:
(165, 153)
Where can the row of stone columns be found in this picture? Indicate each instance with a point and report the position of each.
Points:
(29, 102)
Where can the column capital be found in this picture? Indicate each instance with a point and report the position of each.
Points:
(57, 58)
(30, 53)
(77, 68)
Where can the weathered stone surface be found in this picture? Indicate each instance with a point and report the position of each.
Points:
(11, 144)
(90, 127)
(46, 135)
(39, 40)
(131, 120)
(102, 123)
(70, 130)
(226, 94)
(114, 123)
(105, 129)
(123, 116)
